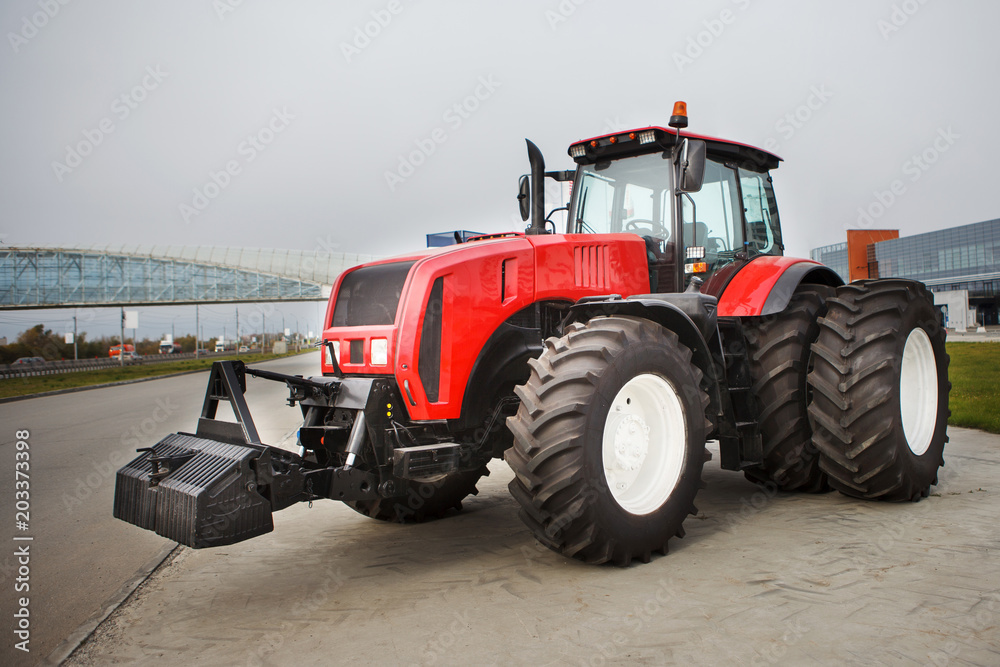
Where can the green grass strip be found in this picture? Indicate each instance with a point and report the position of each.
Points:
(975, 385)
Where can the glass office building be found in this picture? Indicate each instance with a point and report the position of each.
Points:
(960, 258)
(833, 256)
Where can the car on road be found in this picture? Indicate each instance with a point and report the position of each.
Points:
(28, 361)
(244, 348)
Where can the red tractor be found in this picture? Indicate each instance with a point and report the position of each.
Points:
(598, 360)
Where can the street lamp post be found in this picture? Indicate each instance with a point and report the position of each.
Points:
(121, 350)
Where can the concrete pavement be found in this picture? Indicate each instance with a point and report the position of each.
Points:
(759, 579)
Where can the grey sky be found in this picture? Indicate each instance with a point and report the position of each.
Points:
(332, 113)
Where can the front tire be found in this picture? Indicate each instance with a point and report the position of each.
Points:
(879, 383)
(418, 500)
(423, 500)
(609, 441)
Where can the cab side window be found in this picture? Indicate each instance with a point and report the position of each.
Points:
(711, 218)
(763, 236)
(596, 205)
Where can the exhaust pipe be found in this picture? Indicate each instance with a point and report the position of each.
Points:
(537, 163)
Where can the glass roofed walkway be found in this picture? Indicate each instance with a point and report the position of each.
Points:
(163, 275)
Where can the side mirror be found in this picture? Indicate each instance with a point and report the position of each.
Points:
(524, 197)
(692, 164)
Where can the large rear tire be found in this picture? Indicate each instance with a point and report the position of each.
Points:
(609, 441)
(779, 351)
(879, 383)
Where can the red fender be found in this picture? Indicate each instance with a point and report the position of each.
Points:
(765, 285)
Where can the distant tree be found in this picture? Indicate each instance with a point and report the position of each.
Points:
(42, 343)
(34, 338)
(147, 347)
(88, 349)
(187, 343)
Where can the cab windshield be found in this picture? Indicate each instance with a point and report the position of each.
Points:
(630, 195)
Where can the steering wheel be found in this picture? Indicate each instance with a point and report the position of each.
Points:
(655, 228)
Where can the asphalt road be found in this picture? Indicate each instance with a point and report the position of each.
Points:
(759, 579)
(80, 555)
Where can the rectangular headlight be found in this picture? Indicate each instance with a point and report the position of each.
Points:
(577, 151)
(380, 351)
(647, 137)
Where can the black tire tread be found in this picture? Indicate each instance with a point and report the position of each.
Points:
(779, 352)
(445, 496)
(854, 381)
(548, 457)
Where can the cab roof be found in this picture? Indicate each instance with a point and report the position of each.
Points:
(654, 138)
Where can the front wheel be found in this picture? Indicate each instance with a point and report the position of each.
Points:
(423, 500)
(609, 441)
(416, 500)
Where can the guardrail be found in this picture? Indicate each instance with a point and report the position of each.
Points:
(78, 365)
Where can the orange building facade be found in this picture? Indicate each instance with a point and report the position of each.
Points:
(861, 260)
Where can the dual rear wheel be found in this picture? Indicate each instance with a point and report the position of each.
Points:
(853, 387)
(779, 349)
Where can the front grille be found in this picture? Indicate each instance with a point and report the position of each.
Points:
(370, 296)
(357, 351)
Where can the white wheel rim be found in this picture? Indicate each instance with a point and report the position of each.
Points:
(643, 445)
(918, 391)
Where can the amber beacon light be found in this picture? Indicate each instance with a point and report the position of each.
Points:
(679, 118)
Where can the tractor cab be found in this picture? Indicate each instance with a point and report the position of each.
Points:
(703, 206)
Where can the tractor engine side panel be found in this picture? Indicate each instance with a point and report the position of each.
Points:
(481, 285)
(577, 265)
(454, 299)
(452, 304)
